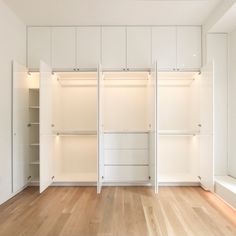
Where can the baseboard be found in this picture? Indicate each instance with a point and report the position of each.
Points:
(71, 184)
(179, 184)
(120, 184)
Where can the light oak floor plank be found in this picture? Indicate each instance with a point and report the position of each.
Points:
(117, 211)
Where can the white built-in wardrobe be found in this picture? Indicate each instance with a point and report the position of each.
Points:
(113, 128)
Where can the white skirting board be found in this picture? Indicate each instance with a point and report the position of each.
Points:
(114, 184)
(179, 184)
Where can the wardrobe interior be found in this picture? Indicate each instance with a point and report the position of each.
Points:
(118, 128)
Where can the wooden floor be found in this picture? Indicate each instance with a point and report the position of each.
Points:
(123, 211)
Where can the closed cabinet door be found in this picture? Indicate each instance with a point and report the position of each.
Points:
(188, 47)
(164, 47)
(114, 47)
(88, 47)
(138, 47)
(39, 46)
(63, 48)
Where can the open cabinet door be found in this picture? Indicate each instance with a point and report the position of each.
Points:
(100, 130)
(207, 127)
(20, 110)
(153, 137)
(46, 134)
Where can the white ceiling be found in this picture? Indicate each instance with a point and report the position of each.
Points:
(227, 23)
(112, 12)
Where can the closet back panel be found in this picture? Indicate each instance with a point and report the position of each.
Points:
(125, 106)
(179, 155)
(174, 108)
(76, 158)
(76, 108)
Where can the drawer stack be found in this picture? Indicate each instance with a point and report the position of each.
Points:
(126, 157)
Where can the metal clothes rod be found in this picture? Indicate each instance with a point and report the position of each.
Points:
(126, 132)
(73, 85)
(117, 79)
(174, 85)
(176, 79)
(126, 165)
(82, 79)
(125, 86)
(75, 133)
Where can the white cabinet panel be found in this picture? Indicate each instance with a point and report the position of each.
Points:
(126, 157)
(88, 47)
(207, 127)
(64, 48)
(100, 133)
(126, 141)
(20, 106)
(114, 47)
(46, 135)
(126, 173)
(189, 47)
(39, 46)
(153, 121)
(164, 47)
(138, 47)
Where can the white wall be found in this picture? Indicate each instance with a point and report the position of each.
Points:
(112, 12)
(217, 50)
(232, 105)
(12, 46)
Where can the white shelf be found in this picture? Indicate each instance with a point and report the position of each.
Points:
(227, 181)
(34, 163)
(34, 107)
(178, 132)
(34, 89)
(74, 132)
(34, 144)
(34, 181)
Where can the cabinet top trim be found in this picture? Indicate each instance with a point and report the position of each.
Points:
(73, 26)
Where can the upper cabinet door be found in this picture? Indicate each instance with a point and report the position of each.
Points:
(138, 47)
(164, 47)
(39, 46)
(114, 47)
(63, 48)
(88, 47)
(189, 47)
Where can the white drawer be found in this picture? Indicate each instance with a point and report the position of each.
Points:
(126, 157)
(126, 141)
(126, 173)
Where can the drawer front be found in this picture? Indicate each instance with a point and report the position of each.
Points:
(126, 157)
(126, 173)
(126, 141)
